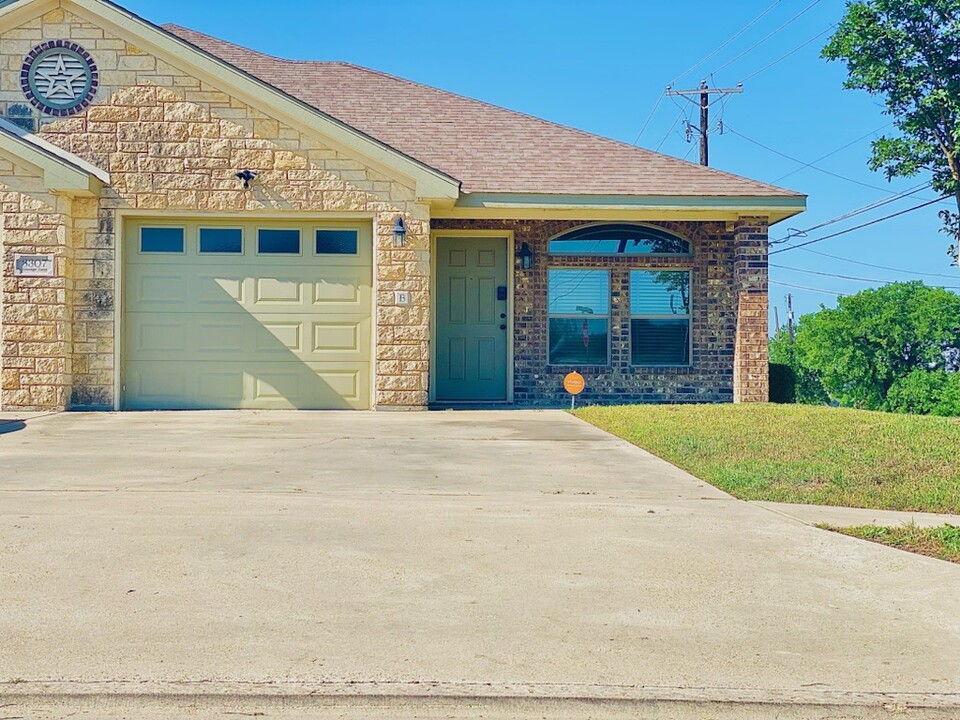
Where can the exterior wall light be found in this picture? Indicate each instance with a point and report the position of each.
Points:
(399, 233)
(248, 176)
(526, 256)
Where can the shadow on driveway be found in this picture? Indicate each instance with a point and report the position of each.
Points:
(11, 426)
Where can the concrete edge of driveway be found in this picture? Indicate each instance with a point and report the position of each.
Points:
(304, 693)
(849, 517)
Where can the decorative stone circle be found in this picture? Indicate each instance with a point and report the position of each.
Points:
(59, 77)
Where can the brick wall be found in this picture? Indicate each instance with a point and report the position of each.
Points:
(172, 144)
(751, 381)
(721, 288)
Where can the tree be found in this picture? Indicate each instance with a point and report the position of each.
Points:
(905, 51)
(873, 339)
(926, 392)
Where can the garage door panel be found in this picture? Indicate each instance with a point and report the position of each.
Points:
(246, 331)
(291, 337)
(161, 290)
(273, 290)
(343, 290)
(247, 385)
(220, 335)
(159, 335)
(217, 291)
(189, 290)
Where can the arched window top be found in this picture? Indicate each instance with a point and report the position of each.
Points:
(618, 239)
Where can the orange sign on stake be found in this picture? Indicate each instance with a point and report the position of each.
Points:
(574, 384)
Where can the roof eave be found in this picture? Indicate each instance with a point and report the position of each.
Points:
(636, 207)
(62, 171)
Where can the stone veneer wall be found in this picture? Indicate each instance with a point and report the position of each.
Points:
(729, 359)
(36, 349)
(172, 144)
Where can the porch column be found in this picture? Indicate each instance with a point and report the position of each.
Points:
(751, 368)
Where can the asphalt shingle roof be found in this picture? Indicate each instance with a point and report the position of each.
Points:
(487, 148)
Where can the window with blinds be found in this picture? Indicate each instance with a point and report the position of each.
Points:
(660, 317)
(578, 308)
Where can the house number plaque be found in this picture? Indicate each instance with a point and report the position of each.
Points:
(34, 265)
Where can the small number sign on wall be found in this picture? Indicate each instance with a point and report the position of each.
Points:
(34, 265)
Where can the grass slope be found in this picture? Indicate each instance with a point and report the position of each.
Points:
(939, 542)
(802, 453)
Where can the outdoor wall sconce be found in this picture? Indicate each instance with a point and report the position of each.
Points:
(248, 176)
(399, 233)
(526, 256)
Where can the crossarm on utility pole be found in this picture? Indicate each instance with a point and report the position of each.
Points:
(704, 103)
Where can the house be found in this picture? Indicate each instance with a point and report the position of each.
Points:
(192, 224)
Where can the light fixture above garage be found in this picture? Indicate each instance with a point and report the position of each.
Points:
(248, 176)
(399, 233)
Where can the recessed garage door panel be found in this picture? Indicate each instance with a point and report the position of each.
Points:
(245, 330)
(250, 385)
(202, 337)
(158, 288)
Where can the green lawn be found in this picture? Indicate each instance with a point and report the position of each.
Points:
(939, 542)
(802, 453)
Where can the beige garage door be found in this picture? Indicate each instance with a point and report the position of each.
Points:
(246, 315)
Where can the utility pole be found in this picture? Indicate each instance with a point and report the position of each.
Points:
(776, 321)
(704, 104)
(790, 328)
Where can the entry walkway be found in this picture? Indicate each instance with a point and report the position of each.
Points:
(849, 517)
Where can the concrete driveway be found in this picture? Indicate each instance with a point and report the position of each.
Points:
(449, 564)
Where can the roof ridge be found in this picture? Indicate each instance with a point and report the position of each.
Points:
(490, 105)
(544, 121)
(172, 27)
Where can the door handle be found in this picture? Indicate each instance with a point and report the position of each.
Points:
(503, 327)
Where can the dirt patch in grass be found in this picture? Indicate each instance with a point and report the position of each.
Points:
(939, 542)
(801, 453)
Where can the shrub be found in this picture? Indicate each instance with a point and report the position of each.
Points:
(783, 384)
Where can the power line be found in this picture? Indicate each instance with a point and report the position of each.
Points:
(810, 165)
(767, 37)
(650, 117)
(670, 131)
(791, 233)
(859, 227)
(786, 55)
(848, 277)
(831, 153)
(727, 42)
(804, 287)
(880, 267)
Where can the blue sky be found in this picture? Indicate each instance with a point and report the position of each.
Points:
(601, 66)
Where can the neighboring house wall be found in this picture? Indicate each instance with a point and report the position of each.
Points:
(729, 316)
(172, 145)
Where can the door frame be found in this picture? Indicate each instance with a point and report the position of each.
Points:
(508, 238)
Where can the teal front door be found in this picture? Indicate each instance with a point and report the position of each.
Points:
(472, 306)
